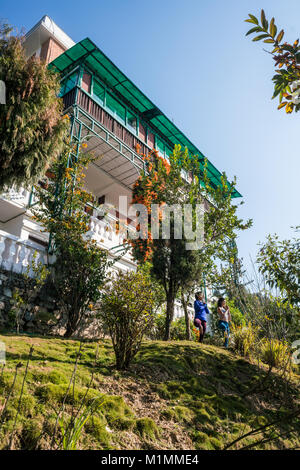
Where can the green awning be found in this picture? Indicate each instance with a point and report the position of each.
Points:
(86, 51)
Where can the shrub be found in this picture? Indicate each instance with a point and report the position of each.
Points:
(126, 312)
(32, 132)
(275, 353)
(80, 265)
(244, 339)
(158, 329)
(178, 330)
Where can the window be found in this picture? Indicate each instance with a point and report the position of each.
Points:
(160, 146)
(142, 132)
(115, 107)
(86, 82)
(131, 121)
(150, 139)
(98, 92)
(68, 83)
(168, 152)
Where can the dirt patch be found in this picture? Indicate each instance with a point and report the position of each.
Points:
(140, 397)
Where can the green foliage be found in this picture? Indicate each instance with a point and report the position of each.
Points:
(237, 318)
(127, 312)
(244, 339)
(275, 353)
(199, 398)
(179, 414)
(71, 429)
(146, 427)
(286, 80)
(178, 330)
(80, 267)
(279, 261)
(32, 131)
(96, 427)
(173, 265)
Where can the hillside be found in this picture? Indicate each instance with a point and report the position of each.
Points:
(176, 395)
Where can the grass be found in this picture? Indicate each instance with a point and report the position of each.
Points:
(176, 395)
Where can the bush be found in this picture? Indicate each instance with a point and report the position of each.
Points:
(237, 317)
(178, 330)
(158, 327)
(126, 312)
(244, 339)
(275, 353)
(32, 132)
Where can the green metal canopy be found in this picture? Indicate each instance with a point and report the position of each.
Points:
(95, 59)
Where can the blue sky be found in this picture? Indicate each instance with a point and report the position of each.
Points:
(193, 60)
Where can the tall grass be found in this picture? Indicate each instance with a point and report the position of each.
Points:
(244, 339)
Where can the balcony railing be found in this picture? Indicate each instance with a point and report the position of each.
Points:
(16, 254)
(18, 196)
(105, 233)
(78, 97)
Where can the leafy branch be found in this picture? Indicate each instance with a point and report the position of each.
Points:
(287, 59)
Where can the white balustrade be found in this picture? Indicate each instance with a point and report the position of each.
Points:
(20, 196)
(16, 254)
(104, 232)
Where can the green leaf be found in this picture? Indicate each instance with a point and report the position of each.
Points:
(261, 36)
(269, 41)
(280, 36)
(252, 19)
(254, 30)
(273, 28)
(264, 20)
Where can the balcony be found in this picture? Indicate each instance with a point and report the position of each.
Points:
(112, 143)
(17, 254)
(13, 203)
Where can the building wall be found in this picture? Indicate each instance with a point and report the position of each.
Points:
(50, 50)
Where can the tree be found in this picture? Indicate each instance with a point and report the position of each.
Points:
(177, 184)
(279, 261)
(287, 59)
(32, 130)
(126, 310)
(79, 270)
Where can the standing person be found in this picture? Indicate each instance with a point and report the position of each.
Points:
(224, 319)
(201, 311)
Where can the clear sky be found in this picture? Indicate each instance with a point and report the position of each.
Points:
(193, 60)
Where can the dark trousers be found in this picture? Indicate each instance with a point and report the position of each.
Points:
(201, 324)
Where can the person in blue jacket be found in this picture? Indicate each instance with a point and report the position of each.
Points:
(201, 312)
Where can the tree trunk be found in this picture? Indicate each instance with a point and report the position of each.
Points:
(187, 318)
(72, 323)
(69, 330)
(169, 314)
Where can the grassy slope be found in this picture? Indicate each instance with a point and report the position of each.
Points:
(176, 395)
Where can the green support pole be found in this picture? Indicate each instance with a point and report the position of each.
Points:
(204, 284)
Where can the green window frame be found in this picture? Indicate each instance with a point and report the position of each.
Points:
(131, 121)
(115, 108)
(98, 91)
(69, 82)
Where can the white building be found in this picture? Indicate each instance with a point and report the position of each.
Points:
(114, 118)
